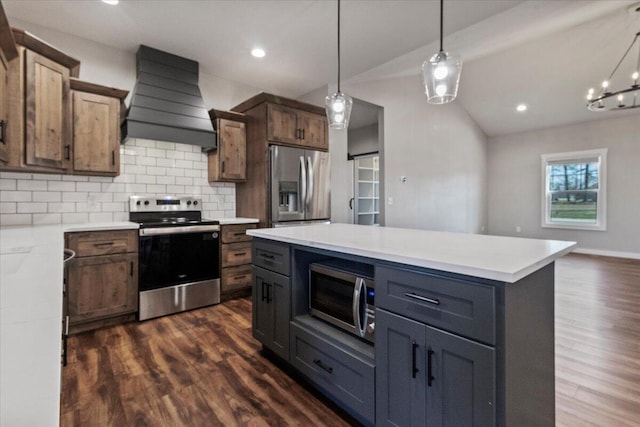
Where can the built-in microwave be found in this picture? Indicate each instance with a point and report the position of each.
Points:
(343, 294)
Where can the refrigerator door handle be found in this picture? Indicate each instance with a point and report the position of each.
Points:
(310, 192)
(303, 185)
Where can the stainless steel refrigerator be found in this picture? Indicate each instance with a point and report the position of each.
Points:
(300, 186)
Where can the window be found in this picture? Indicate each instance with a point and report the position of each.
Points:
(573, 190)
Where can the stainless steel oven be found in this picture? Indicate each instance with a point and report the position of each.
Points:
(343, 294)
(179, 256)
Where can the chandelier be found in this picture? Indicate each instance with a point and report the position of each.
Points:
(623, 99)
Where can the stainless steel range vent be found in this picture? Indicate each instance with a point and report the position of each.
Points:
(166, 103)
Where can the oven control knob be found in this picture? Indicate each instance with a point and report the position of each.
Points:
(371, 328)
(195, 203)
(146, 203)
(214, 234)
(188, 202)
(138, 203)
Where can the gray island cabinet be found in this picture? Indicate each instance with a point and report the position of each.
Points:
(464, 332)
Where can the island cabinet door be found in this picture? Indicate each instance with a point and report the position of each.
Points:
(400, 371)
(461, 387)
(262, 314)
(280, 295)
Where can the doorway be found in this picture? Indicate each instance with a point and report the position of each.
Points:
(365, 142)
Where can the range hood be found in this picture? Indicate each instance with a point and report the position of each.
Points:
(166, 103)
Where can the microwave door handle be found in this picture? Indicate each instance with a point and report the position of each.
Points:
(303, 186)
(365, 320)
(310, 186)
(355, 307)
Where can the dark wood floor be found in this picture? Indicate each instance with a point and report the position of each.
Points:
(203, 368)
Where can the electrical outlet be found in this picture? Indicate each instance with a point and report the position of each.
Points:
(390, 201)
(403, 179)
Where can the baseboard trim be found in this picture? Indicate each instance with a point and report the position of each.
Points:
(615, 254)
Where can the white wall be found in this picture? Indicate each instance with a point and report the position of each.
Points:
(363, 140)
(515, 183)
(439, 148)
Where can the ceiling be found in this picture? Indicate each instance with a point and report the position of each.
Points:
(543, 53)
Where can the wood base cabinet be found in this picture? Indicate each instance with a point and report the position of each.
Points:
(429, 377)
(102, 281)
(235, 278)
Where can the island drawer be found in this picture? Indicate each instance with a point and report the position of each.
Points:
(234, 278)
(347, 379)
(94, 243)
(455, 305)
(236, 254)
(272, 256)
(233, 233)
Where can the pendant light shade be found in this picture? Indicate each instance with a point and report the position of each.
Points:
(441, 73)
(338, 105)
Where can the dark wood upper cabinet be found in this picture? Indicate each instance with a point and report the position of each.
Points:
(228, 163)
(8, 52)
(297, 127)
(96, 129)
(48, 113)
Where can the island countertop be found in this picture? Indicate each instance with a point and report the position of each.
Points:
(505, 259)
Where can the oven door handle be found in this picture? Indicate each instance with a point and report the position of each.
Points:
(178, 230)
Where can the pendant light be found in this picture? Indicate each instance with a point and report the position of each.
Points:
(441, 73)
(339, 104)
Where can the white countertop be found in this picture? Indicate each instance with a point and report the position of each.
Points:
(231, 221)
(30, 324)
(100, 226)
(506, 259)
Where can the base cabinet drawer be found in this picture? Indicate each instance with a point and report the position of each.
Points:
(95, 243)
(233, 233)
(234, 278)
(454, 305)
(236, 254)
(271, 256)
(347, 379)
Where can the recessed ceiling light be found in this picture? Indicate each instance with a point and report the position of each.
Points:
(111, 2)
(521, 108)
(258, 53)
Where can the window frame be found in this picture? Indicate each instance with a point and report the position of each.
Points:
(601, 211)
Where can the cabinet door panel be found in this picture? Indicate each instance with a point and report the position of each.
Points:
(261, 316)
(282, 124)
(280, 295)
(233, 150)
(4, 109)
(96, 133)
(400, 398)
(48, 113)
(314, 129)
(462, 391)
(102, 287)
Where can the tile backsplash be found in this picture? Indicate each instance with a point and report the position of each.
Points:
(152, 168)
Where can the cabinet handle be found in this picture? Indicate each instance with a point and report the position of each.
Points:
(423, 299)
(3, 132)
(65, 337)
(267, 256)
(240, 254)
(264, 294)
(99, 245)
(113, 157)
(131, 272)
(302, 133)
(241, 233)
(223, 166)
(240, 277)
(318, 362)
(430, 376)
(414, 367)
(67, 152)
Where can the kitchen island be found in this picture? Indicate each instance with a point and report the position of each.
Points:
(464, 331)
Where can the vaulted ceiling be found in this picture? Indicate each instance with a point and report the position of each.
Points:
(543, 53)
